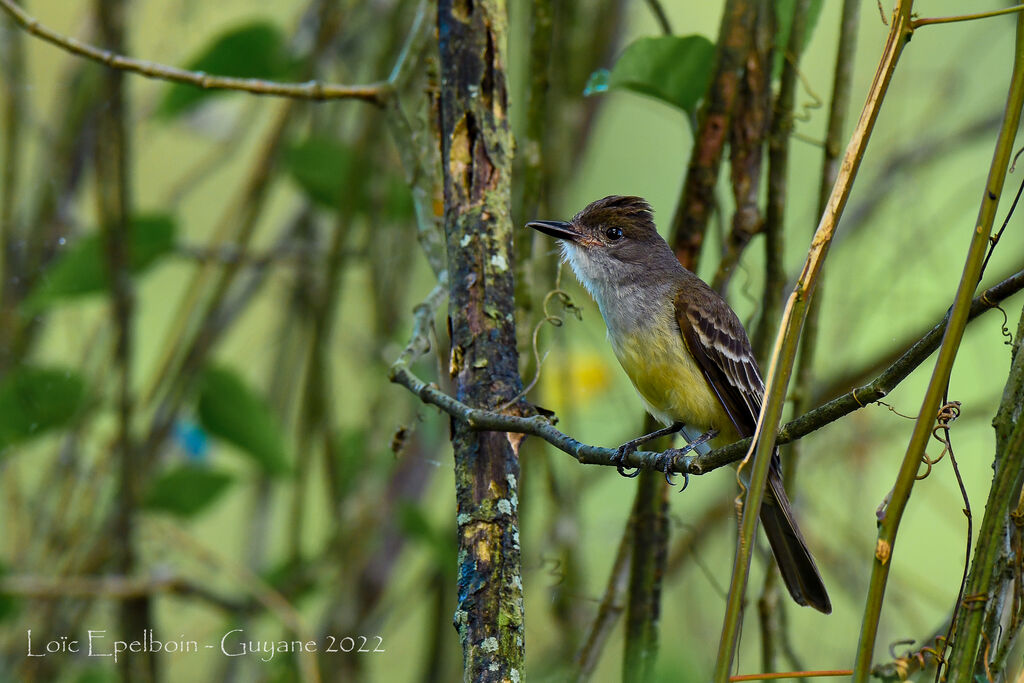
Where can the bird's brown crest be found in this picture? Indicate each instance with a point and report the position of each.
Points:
(632, 214)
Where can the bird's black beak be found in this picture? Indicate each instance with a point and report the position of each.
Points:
(559, 229)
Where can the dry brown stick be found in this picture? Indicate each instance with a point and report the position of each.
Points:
(749, 128)
(697, 201)
(375, 93)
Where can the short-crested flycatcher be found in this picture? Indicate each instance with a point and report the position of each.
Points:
(685, 351)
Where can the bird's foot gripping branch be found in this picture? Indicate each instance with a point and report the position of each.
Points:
(699, 463)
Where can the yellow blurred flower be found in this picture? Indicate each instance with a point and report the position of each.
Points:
(573, 379)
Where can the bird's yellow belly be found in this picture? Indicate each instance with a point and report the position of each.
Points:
(669, 381)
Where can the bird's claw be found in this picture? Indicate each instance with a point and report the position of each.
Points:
(619, 459)
(665, 463)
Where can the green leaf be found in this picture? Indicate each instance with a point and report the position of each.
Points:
(186, 490)
(673, 69)
(82, 269)
(35, 400)
(321, 167)
(230, 410)
(255, 50)
(783, 25)
(326, 170)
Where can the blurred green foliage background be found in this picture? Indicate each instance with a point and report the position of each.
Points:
(277, 516)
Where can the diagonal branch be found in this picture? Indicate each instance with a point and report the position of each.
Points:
(879, 387)
(928, 21)
(375, 93)
(543, 427)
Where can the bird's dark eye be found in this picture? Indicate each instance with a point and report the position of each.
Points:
(614, 234)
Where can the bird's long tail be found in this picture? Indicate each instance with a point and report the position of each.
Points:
(796, 565)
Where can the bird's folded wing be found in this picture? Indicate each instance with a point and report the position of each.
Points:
(717, 341)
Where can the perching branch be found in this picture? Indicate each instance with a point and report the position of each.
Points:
(375, 93)
(543, 427)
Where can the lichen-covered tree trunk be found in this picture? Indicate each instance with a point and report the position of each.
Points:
(476, 152)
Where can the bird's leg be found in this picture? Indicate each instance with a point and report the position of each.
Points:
(667, 459)
(623, 451)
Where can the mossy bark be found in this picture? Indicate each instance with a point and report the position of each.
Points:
(476, 148)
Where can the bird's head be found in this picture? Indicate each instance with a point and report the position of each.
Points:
(610, 242)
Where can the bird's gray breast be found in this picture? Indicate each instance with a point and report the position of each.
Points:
(630, 308)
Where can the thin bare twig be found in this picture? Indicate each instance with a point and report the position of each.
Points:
(266, 594)
(375, 93)
(790, 674)
(660, 16)
(926, 21)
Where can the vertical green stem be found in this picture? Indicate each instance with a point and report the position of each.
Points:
(1000, 548)
(968, 634)
(784, 353)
